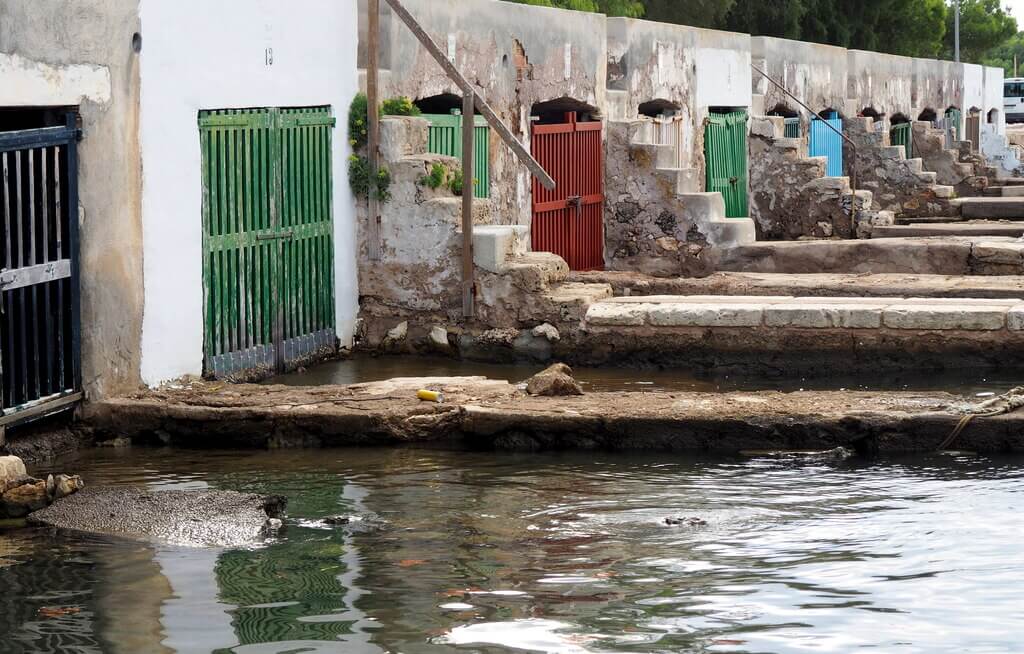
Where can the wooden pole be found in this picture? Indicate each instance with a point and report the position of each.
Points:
(468, 132)
(373, 125)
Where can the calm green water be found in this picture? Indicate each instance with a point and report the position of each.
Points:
(512, 553)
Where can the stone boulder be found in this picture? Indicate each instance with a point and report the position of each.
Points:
(21, 494)
(11, 467)
(554, 381)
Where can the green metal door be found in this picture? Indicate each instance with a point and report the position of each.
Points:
(268, 280)
(902, 134)
(445, 137)
(725, 154)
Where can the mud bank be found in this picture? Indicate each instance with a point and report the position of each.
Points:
(494, 415)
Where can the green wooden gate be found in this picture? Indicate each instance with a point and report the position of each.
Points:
(953, 117)
(902, 134)
(445, 137)
(725, 154)
(268, 266)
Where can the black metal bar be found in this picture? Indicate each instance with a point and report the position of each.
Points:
(63, 402)
(58, 220)
(37, 138)
(47, 382)
(72, 213)
(22, 340)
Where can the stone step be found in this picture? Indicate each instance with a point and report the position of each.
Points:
(952, 255)
(1004, 191)
(536, 272)
(1008, 207)
(681, 180)
(915, 165)
(1012, 181)
(569, 301)
(495, 245)
(931, 314)
(961, 228)
(811, 284)
(893, 152)
(907, 220)
(928, 177)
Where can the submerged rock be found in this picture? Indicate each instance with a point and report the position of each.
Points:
(686, 522)
(355, 522)
(193, 518)
(554, 381)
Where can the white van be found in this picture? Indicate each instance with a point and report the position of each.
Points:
(1013, 99)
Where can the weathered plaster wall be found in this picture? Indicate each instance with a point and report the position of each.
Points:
(882, 82)
(53, 52)
(191, 62)
(694, 68)
(938, 85)
(814, 73)
(993, 98)
(517, 55)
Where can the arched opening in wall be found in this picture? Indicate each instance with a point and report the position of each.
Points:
(901, 134)
(972, 127)
(826, 140)
(666, 126)
(791, 118)
(993, 116)
(444, 136)
(869, 112)
(928, 116)
(442, 103)
(952, 124)
(19, 118)
(566, 139)
(559, 110)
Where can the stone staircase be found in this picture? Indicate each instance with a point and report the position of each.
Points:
(898, 184)
(792, 196)
(968, 176)
(978, 216)
(518, 287)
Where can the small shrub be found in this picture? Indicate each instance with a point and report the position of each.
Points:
(358, 129)
(400, 106)
(455, 183)
(436, 178)
(363, 181)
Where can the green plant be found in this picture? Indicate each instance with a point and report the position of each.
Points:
(358, 129)
(400, 106)
(456, 182)
(363, 181)
(436, 178)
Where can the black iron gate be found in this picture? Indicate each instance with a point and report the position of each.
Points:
(39, 323)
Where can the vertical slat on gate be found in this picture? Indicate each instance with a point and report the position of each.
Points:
(58, 235)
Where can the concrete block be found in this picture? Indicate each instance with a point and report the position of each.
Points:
(944, 316)
(494, 245)
(823, 316)
(1015, 318)
(944, 192)
(606, 314)
(706, 315)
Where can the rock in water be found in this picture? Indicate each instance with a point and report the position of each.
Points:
(11, 467)
(22, 497)
(555, 381)
(686, 522)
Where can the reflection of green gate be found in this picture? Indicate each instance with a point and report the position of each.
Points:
(901, 134)
(268, 271)
(725, 153)
(445, 137)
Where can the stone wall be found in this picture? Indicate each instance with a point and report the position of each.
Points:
(516, 55)
(898, 184)
(813, 72)
(790, 195)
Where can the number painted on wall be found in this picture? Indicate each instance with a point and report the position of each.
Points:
(268, 56)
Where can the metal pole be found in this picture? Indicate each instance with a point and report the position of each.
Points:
(956, 31)
(373, 126)
(468, 131)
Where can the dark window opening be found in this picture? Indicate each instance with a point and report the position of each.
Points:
(784, 111)
(928, 115)
(898, 119)
(869, 112)
(554, 112)
(445, 103)
(658, 108)
(993, 116)
(14, 119)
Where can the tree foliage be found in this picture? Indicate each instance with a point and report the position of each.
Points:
(915, 28)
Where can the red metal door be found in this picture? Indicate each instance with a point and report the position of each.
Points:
(569, 220)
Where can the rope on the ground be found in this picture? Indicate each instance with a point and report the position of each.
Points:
(1008, 402)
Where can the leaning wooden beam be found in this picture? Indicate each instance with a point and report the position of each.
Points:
(468, 190)
(373, 127)
(481, 105)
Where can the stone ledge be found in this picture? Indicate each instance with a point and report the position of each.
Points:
(968, 314)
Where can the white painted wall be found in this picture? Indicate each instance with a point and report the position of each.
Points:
(212, 55)
(994, 98)
(723, 77)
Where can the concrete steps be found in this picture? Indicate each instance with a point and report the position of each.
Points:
(988, 207)
(1013, 191)
(961, 228)
(811, 284)
(950, 255)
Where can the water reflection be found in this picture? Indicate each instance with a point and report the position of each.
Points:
(566, 553)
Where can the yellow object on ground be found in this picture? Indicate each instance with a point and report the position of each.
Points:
(430, 396)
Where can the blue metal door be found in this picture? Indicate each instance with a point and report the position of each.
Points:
(826, 143)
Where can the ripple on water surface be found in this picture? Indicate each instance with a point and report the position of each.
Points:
(503, 553)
